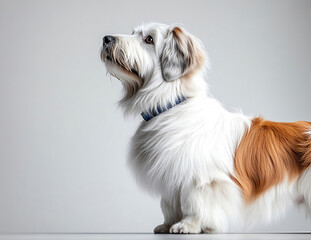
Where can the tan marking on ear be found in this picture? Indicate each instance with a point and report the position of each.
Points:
(195, 54)
(268, 152)
(199, 59)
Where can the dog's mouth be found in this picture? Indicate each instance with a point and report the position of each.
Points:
(106, 57)
(134, 71)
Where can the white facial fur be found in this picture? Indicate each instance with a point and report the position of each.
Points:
(148, 60)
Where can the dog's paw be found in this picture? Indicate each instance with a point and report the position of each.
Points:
(162, 228)
(183, 227)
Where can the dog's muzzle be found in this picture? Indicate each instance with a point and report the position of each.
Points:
(108, 42)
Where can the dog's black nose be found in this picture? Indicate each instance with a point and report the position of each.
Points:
(108, 39)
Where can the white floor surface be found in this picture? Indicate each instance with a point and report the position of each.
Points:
(148, 236)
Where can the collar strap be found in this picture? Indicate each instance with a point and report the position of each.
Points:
(153, 113)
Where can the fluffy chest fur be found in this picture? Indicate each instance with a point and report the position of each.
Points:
(191, 143)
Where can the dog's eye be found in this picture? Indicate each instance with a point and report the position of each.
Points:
(149, 40)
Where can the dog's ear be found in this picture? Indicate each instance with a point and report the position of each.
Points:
(181, 54)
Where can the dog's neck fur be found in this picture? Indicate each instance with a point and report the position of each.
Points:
(151, 114)
(157, 93)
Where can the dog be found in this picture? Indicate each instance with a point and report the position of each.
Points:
(213, 169)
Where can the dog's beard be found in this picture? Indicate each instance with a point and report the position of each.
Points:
(118, 57)
(120, 68)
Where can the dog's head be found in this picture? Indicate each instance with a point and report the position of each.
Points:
(156, 59)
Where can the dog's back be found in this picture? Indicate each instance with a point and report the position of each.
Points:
(269, 152)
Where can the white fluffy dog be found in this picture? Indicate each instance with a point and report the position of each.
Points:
(209, 165)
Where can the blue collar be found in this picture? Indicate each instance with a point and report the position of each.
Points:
(153, 113)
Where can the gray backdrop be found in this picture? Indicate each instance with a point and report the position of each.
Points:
(63, 141)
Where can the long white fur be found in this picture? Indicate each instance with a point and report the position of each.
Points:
(186, 154)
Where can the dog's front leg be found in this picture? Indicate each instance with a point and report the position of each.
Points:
(191, 207)
(204, 208)
(172, 214)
